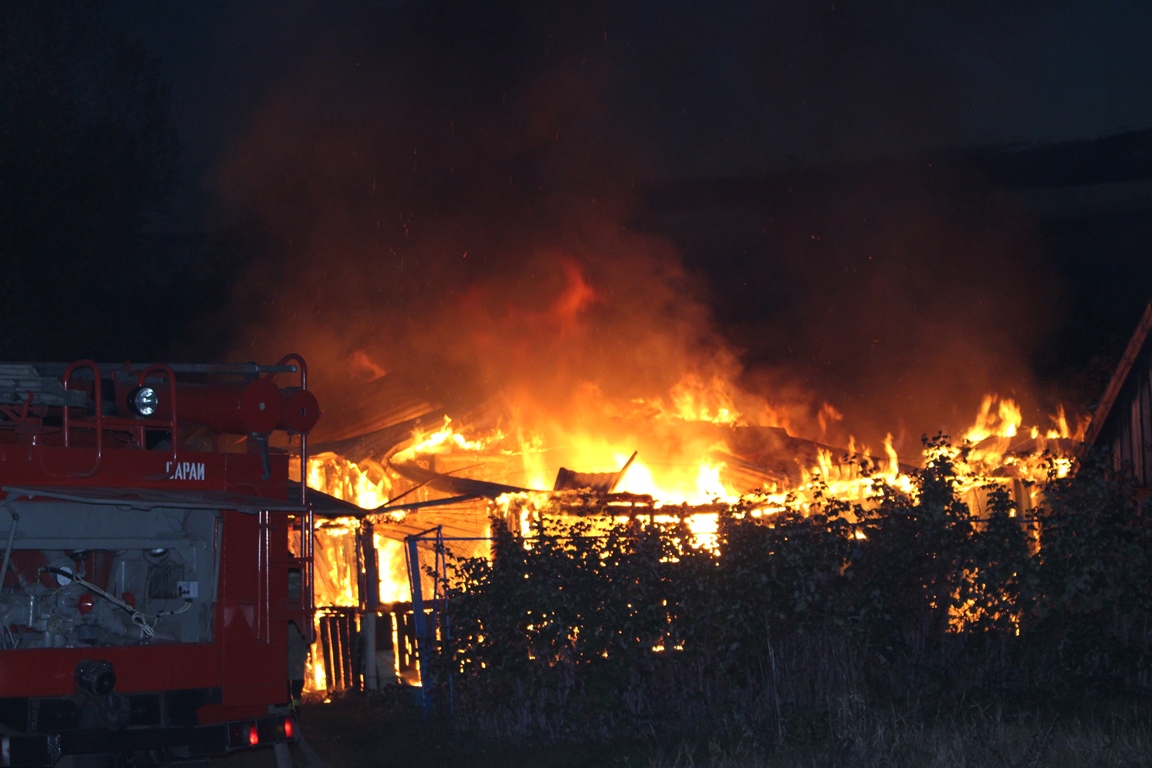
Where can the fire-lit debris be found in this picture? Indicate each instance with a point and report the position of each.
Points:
(597, 482)
(422, 472)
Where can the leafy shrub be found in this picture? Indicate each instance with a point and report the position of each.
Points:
(629, 627)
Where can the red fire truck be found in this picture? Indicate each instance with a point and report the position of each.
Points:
(156, 560)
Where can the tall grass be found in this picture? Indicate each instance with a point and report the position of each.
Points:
(974, 738)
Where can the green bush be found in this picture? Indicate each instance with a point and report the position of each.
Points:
(626, 628)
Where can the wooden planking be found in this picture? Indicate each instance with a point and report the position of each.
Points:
(1127, 427)
(1120, 377)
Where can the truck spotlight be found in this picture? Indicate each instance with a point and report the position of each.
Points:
(143, 401)
(155, 556)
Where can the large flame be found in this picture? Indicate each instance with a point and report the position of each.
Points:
(678, 466)
(676, 453)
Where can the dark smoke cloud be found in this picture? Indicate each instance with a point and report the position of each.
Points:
(460, 220)
(920, 293)
(452, 196)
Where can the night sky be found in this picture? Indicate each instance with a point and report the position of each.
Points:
(890, 206)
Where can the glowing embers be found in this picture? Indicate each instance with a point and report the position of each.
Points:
(366, 485)
(764, 470)
(335, 566)
(445, 440)
(694, 398)
(527, 514)
(997, 417)
(996, 446)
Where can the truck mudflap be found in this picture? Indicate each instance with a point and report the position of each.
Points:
(36, 750)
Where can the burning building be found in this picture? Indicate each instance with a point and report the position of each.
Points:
(398, 500)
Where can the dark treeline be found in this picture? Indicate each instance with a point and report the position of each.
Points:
(908, 605)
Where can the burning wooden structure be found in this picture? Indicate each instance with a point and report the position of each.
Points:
(373, 586)
(392, 502)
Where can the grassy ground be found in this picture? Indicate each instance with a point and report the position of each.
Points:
(389, 731)
(386, 731)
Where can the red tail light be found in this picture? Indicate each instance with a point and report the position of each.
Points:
(289, 728)
(253, 735)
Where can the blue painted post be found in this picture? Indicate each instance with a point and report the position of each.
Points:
(421, 627)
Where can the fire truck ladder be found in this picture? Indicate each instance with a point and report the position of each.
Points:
(21, 384)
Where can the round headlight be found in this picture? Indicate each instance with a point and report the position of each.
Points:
(144, 401)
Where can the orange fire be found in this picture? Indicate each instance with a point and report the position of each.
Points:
(681, 465)
(679, 450)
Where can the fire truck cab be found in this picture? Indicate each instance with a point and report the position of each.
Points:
(155, 562)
